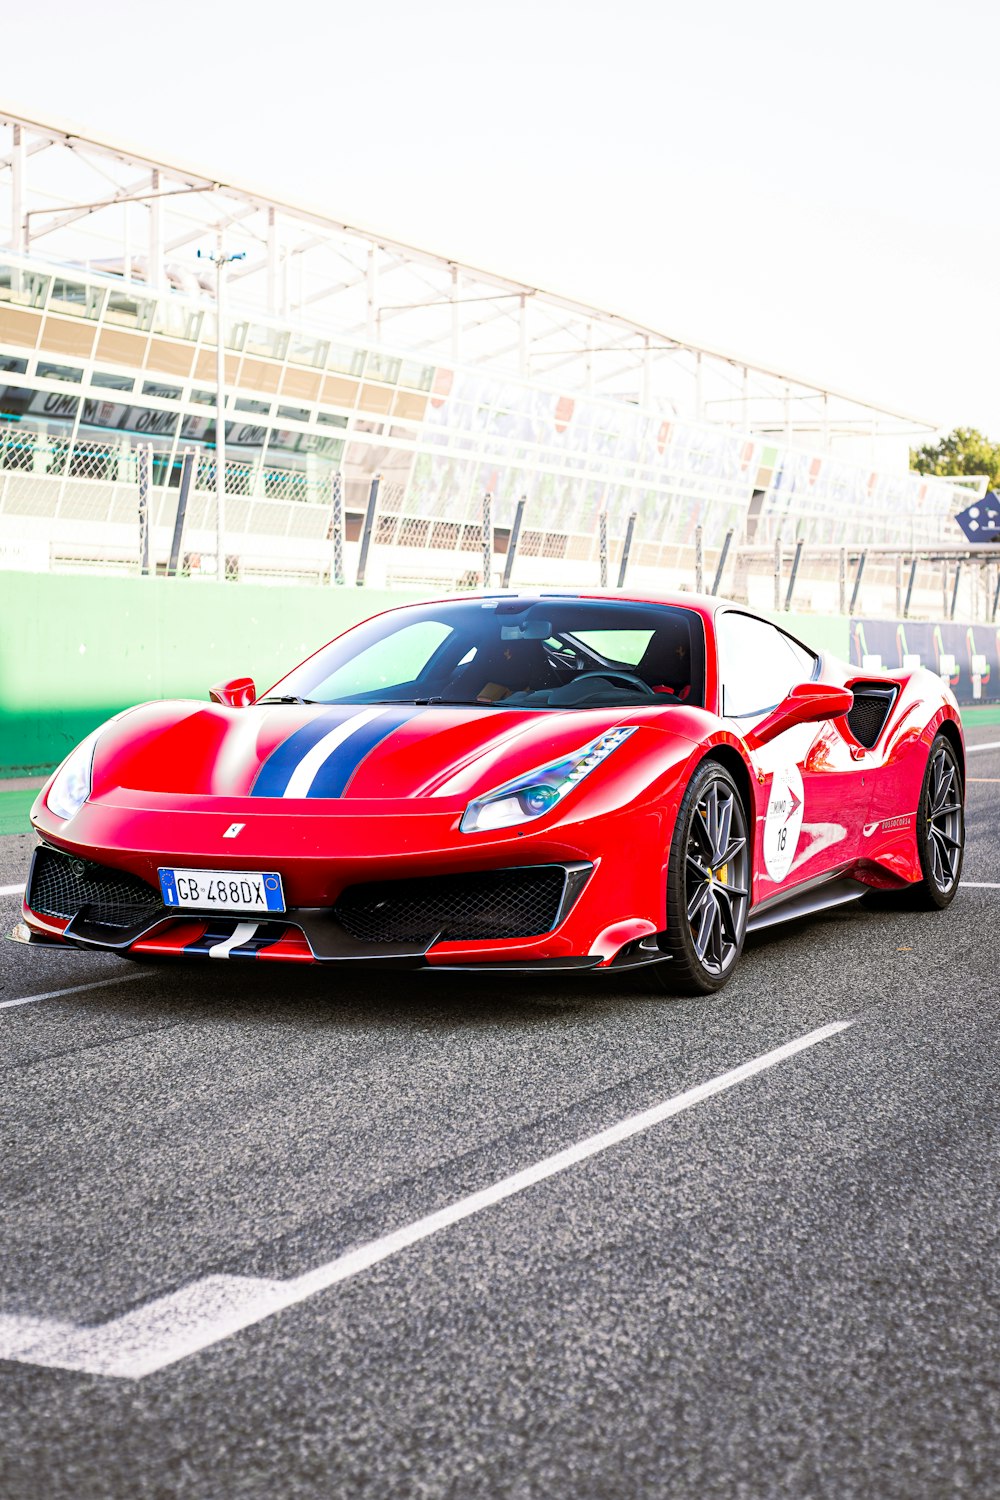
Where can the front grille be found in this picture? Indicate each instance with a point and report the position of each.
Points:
(869, 713)
(61, 885)
(489, 904)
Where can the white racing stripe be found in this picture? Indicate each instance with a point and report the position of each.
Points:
(74, 989)
(244, 932)
(204, 1313)
(304, 774)
(11, 890)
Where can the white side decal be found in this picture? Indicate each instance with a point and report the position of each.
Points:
(783, 822)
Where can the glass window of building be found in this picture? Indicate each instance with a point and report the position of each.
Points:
(47, 371)
(164, 392)
(26, 287)
(306, 351)
(236, 332)
(271, 342)
(417, 377)
(178, 321)
(382, 368)
(76, 297)
(346, 360)
(111, 382)
(125, 308)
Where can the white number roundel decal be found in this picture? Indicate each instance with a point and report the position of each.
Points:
(783, 821)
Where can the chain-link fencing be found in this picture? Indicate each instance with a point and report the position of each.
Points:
(82, 506)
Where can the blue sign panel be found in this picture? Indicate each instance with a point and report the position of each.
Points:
(981, 521)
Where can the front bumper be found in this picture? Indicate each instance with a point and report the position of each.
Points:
(319, 854)
(306, 933)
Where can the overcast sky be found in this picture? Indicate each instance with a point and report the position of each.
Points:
(809, 186)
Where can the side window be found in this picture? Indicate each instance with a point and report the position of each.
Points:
(758, 664)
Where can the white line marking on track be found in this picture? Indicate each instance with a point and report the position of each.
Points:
(981, 885)
(993, 745)
(204, 1313)
(74, 989)
(11, 890)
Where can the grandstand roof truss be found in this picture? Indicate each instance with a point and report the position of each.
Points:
(75, 198)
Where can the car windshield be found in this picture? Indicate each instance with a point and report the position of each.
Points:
(544, 652)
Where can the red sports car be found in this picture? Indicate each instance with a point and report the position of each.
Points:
(512, 782)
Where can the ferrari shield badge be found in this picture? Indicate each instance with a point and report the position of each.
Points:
(783, 821)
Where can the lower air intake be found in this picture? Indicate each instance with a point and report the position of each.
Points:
(61, 885)
(490, 904)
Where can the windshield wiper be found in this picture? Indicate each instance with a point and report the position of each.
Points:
(422, 702)
(459, 702)
(285, 698)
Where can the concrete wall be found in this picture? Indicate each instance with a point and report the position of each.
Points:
(75, 649)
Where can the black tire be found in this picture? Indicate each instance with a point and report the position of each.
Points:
(708, 885)
(940, 829)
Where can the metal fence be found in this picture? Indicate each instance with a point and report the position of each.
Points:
(83, 507)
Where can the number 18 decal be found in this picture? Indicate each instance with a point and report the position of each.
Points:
(783, 821)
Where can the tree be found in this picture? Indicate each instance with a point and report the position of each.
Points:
(964, 451)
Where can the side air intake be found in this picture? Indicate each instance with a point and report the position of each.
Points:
(872, 702)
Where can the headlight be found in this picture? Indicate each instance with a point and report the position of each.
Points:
(71, 788)
(538, 792)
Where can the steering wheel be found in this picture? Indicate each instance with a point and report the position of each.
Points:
(628, 678)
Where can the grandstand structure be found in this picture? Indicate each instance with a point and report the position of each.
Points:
(348, 353)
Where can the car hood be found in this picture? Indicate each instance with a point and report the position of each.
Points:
(383, 752)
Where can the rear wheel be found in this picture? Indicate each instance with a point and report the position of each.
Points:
(940, 828)
(708, 885)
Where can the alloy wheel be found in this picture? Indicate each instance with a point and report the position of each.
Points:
(717, 876)
(943, 812)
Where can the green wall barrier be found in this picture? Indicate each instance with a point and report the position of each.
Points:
(822, 632)
(76, 649)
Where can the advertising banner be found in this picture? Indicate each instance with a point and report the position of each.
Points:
(966, 656)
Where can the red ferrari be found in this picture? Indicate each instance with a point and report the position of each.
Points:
(512, 782)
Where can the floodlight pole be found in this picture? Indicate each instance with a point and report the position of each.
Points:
(220, 259)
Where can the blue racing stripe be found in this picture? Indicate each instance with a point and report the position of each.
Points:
(341, 764)
(274, 774)
(266, 936)
(215, 932)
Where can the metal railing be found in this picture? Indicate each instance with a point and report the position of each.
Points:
(85, 508)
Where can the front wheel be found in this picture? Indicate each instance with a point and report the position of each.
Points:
(708, 885)
(940, 829)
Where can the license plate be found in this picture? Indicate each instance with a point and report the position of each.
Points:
(222, 890)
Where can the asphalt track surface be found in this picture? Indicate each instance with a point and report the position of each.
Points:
(790, 1287)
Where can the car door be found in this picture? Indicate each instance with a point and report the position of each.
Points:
(814, 804)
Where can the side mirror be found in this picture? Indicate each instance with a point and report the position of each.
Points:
(238, 692)
(808, 703)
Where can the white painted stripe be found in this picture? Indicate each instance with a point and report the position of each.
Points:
(993, 745)
(74, 989)
(197, 1316)
(11, 890)
(243, 933)
(306, 771)
(981, 885)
